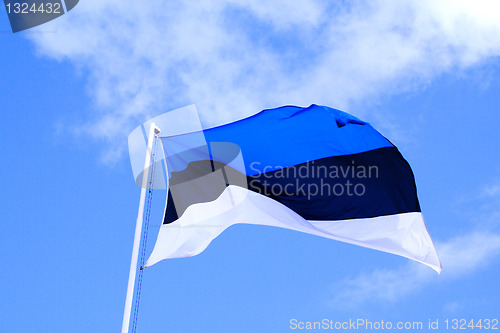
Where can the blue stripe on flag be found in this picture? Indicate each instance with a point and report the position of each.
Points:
(287, 136)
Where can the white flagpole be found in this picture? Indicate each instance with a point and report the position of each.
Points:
(153, 130)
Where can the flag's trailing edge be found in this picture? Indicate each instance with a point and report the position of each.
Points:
(316, 170)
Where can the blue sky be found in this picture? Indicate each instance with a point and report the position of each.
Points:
(424, 73)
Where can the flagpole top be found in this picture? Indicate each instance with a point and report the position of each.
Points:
(156, 128)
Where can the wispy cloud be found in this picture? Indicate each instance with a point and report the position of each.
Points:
(491, 190)
(233, 58)
(482, 206)
(465, 254)
(460, 256)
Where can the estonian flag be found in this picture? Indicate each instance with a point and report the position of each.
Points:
(316, 170)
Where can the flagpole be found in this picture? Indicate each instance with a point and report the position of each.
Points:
(153, 130)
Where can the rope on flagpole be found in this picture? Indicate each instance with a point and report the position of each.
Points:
(149, 200)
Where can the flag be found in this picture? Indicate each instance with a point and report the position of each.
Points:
(316, 170)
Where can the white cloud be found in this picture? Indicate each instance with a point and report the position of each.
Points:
(233, 57)
(453, 307)
(459, 256)
(467, 253)
(491, 190)
(482, 206)
(283, 13)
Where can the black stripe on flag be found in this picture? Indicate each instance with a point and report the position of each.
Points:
(369, 184)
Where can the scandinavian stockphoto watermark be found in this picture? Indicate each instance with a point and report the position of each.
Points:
(357, 325)
(364, 324)
(311, 179)
(26, 14)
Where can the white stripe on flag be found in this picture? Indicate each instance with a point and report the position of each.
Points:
(402, 234)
